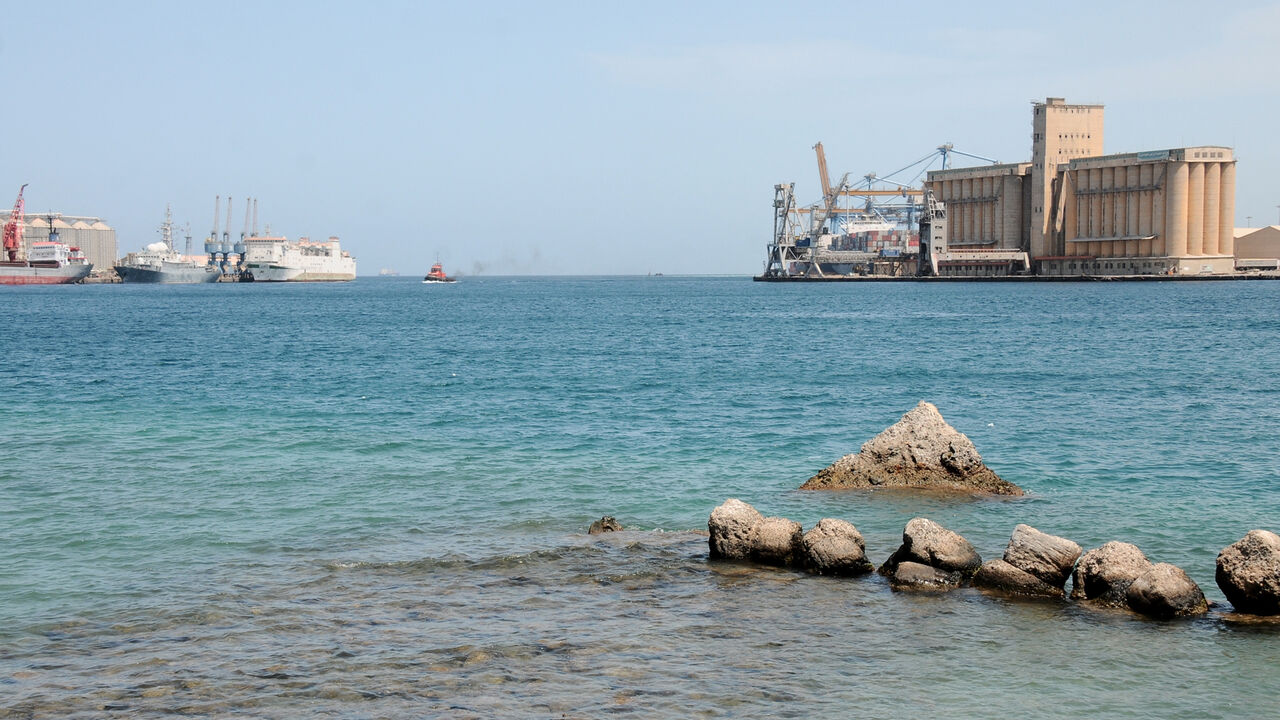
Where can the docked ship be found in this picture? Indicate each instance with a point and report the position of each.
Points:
(436, 275)
(275, 259)
(160, 263)
(50, 262)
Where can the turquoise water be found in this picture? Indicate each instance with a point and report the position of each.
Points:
(370, 498)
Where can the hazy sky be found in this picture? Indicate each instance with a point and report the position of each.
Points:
(578, 137)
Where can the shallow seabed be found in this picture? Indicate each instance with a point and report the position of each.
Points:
(369, 499)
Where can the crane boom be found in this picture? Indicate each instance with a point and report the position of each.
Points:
(823, 177)
(13, 228)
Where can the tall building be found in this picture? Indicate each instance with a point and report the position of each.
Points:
(1059, 133)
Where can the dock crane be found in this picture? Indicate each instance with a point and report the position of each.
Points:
(13, 228)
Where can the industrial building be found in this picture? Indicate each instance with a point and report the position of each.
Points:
(1258, 248)
(1076, 211)
(93, 236)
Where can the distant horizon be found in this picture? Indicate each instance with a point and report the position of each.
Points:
(562, 139)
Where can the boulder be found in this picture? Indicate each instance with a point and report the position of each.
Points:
(1164, 592)
(1249, 573)
(1047, 557)
(921, 450)
(732, 529)
(909, 575)
(777, 541)
(1004, 577)
(1104, 574)
(835, 547)
(928, 543)
(604, 525)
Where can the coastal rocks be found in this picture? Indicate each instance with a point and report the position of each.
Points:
(1166, 592)
(926, 543)
(1104, 574)
(1119, 575)
(776, 541)
(733, 530)
(1034, 563)
(1248, 573)
(835, 547)
(922, 451)
(604, 525)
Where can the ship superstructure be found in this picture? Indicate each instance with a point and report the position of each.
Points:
(276, 259)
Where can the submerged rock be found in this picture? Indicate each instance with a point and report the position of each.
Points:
(604, 525)
(920, 450)
(1248, 573)
(1004, 577)
(835, 547)
(732, 530)
(1104, 574)
(909, 575)
(1165, 592)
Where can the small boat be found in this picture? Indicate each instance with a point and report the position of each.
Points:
(436, 275)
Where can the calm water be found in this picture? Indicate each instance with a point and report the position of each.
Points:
(370, 499)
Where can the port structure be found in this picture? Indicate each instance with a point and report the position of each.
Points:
(861, 227)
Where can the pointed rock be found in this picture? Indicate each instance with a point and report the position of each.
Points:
(920, 450)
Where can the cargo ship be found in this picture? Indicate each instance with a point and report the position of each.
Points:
(160, 263)
(275, 259)
(50, 262)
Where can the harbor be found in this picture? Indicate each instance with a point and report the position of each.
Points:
(1070, 213)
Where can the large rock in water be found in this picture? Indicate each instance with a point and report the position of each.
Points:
(920, 450)
(835, 547)
(1249, 573)
(732, 530)
(776, 541)
(926, 543)
(1034, 563)
(1104, 574)
(1165, 592)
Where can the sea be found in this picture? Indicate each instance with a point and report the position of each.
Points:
(371, 499)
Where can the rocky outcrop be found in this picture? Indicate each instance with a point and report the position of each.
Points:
(1034, 563)
(1104, 574)
(925, 542)
(835, 547)
(909, 575)
(920, 450)
(776, 541)
(1166, 592)
(604, 525)
(1248, 573)
(733, 530)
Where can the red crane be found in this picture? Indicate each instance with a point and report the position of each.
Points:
(13, 228)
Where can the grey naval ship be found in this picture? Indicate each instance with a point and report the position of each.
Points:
(160, 263)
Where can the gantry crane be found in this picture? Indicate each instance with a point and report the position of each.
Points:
(13, 227)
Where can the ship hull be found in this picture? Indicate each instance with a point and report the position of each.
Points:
(184, 276)
(26, 274)
(277, 273)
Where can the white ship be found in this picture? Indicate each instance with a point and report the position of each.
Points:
(275, 259)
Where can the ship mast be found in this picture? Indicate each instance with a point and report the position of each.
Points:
(166, 228)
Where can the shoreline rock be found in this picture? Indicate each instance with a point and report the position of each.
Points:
(835, 547)
(926, 543)
(1034, 563)
(1248, 573)
(920, 451)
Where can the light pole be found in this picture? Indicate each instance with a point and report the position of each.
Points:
(1248, 221)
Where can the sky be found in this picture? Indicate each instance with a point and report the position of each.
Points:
(585, 138)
